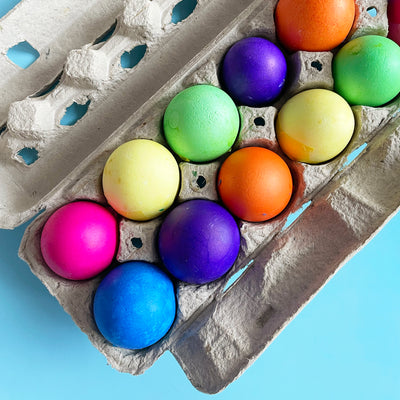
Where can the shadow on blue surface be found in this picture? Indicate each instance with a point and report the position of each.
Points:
(29, 155)
(182, 10)
(74, 113)
(131, 58)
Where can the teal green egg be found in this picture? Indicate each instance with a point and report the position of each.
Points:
(201, 123)
(366, 71)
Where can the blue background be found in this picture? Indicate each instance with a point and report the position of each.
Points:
(344, 345)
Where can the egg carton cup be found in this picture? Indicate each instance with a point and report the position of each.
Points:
(221, 327)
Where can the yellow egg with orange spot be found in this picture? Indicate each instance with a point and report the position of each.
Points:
(314, 126)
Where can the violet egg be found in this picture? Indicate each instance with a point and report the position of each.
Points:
(199, 241)
(254, 71)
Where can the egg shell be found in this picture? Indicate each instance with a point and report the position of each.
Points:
(79, 240)
(141, 179)
(393, 14)
(366, 70)
(199, 241)
(201, 123)
(313, 25)
(314, 126)
(254, 71)
(135, 305)
(255, 184)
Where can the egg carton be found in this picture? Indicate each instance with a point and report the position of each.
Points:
(221, 327)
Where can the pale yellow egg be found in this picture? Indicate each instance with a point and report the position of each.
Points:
(141, 179)
(314, 126)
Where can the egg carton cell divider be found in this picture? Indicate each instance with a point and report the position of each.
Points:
(220, 328)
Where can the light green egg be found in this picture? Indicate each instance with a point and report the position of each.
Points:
(201, 123)
(366, 70)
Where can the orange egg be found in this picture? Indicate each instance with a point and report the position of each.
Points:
(313, 25)
(255, 184)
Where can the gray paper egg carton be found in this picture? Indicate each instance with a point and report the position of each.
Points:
(221, 328)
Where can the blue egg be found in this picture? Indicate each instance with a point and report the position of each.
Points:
(135, 305)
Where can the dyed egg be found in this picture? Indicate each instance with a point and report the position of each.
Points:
(134, 305)
(199, 241)
(141, 179)
(313, 25)
(366, 70)
(254, 71)
(79, 240)
(255, 184)
(393, 14)
(314, 126)
(201, 123)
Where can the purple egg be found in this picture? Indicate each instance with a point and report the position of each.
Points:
(254, 71)
(199, 241)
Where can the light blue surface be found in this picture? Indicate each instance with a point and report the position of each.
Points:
(344, 345)
(7, 5)
(23, 54)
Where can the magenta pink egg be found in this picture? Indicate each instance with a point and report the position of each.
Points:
(393, 14)
(79, 240)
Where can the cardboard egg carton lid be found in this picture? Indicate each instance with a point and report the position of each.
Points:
(91, 76)
(220, 327)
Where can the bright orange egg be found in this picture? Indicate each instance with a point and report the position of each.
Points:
(255, 184)
(313, 25)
